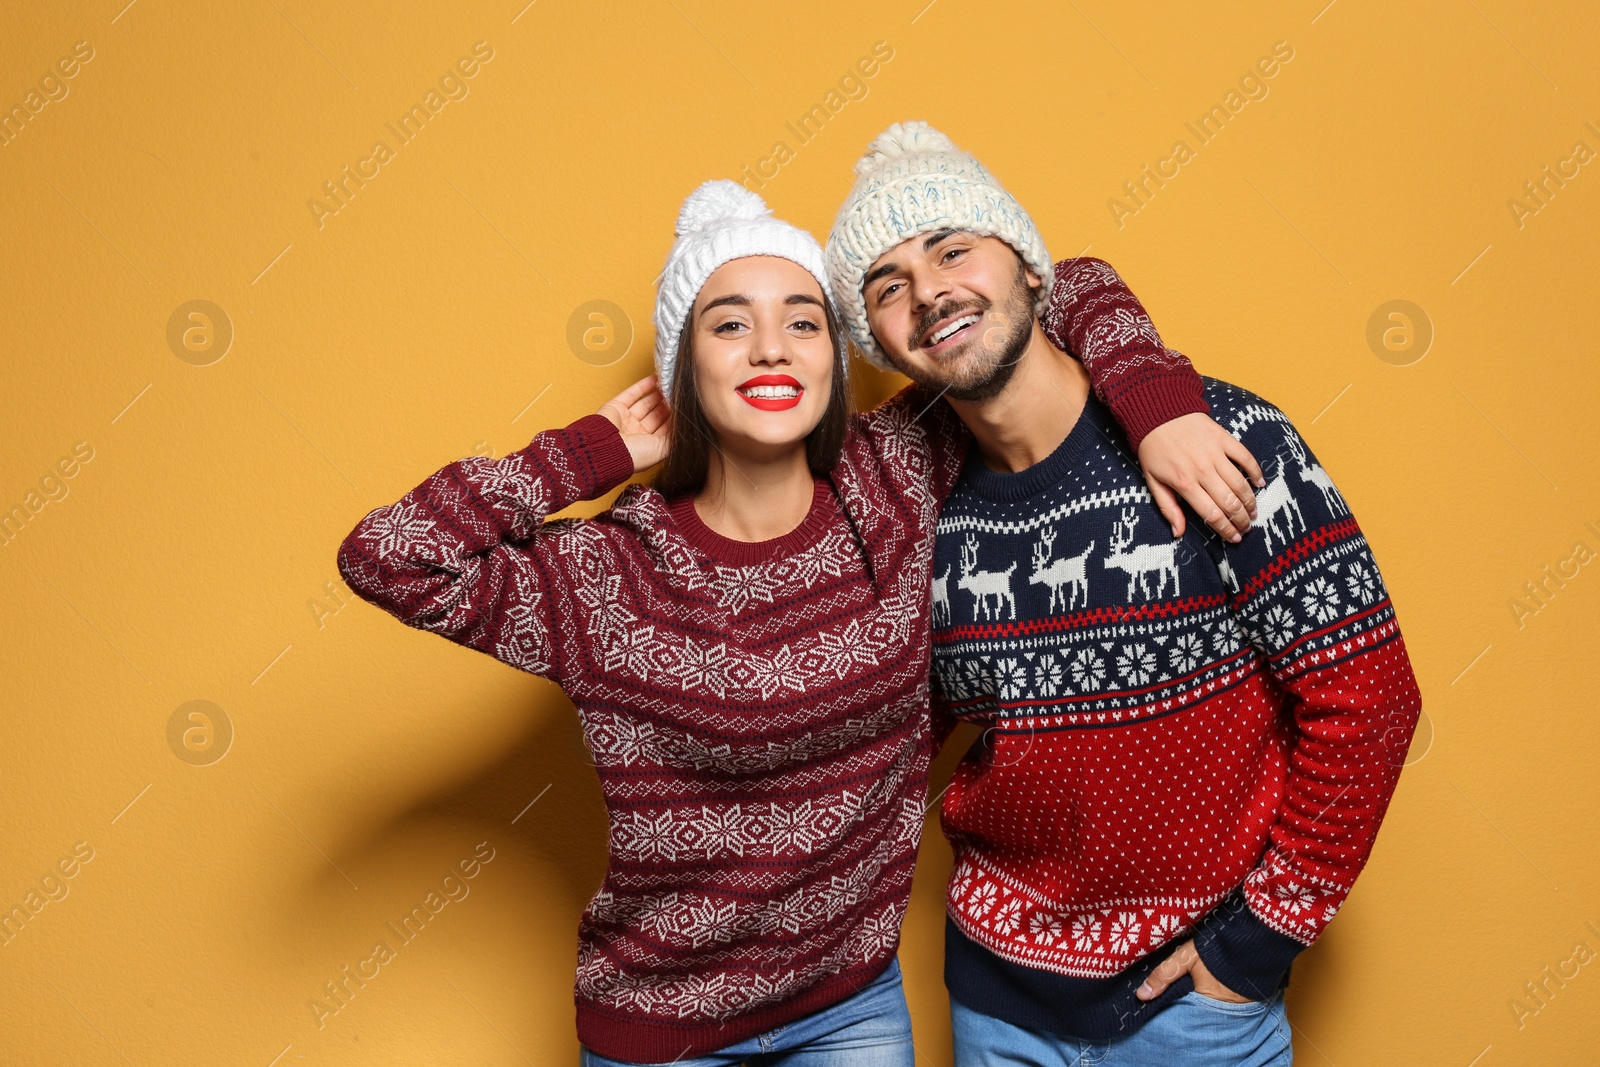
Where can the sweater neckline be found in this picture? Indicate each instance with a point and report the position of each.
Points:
(1095, 424)
(823, 511)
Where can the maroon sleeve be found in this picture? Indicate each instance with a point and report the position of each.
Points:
(1095, 316)
(468, 555)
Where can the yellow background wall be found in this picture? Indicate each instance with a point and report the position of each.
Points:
(189, 556)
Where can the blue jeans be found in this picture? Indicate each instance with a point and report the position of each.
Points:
(870, 1028)
(1196, 1031)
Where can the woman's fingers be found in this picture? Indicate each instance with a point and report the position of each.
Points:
(1224, 512)
(1245, 459)
(1236, 480)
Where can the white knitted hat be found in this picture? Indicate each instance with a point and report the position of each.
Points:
(720, 221)
(914, 180)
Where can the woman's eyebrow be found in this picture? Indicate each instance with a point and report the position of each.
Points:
(802, 298)
(734, 298)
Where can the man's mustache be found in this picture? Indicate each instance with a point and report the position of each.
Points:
(943, 311)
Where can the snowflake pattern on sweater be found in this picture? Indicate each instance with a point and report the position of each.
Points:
(1167, 720)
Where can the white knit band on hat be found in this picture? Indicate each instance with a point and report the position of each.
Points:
(720, 221)
(914, 180)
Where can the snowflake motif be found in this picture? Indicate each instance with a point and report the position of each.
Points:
(633, 651)
(1009, 917)
(524, 643)
(741, 586)
(982, 899)
(1294, 897)
(1162, 929)
(1085, 932)
(794, 828)
(1321, 600)
(398, 527)
(607, 615)
(720, 831)
(658, 916)
(974, 677)
(1119, 328)
(708, 922)
(704, 667)
(784, 669)
(1045, 927)
(1187, 652)
(1088, 670)
(1047, 675)
(699, 996)
(1280, 625)
(646, 837)
(1011, 678)
(959, 887)
(1124, 932)
(624, 739)
(1137, 663)
(1361, 582)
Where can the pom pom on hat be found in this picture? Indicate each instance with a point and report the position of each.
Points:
(903, 138)
(716, 201)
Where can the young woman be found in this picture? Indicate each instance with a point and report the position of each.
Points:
(746, 644)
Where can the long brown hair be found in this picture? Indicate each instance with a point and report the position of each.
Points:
(692, 439)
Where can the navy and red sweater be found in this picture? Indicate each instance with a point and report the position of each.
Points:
(1182, 737)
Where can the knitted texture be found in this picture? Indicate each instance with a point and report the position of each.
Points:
(1182, 737)
(914, 180)
(719, 222)
(757, 714)
(1093, 315)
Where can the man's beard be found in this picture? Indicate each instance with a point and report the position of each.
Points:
(991, 366)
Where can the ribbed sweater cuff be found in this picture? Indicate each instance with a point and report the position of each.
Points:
(1244, 953)
(1142, 405)
(601, 457)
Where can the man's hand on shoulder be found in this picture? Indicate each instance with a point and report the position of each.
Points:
(1193, 457)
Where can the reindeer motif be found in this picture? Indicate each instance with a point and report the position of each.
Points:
(1229, 577)
(1272, 500)
(941, 598)
(1313, 473)
(1142, 559)
(985, 584)
(1070, 572)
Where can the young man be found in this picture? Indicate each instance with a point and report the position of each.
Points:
(1190, 740)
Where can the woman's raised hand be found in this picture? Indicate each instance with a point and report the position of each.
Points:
(640, 413)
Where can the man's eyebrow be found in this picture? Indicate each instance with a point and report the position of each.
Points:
(734, 298)
(887, 268)
(935, 237)
(802, 298)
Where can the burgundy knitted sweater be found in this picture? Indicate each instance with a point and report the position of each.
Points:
(757, 713)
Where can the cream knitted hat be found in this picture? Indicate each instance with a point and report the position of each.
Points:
(720, 221)
(914, 180)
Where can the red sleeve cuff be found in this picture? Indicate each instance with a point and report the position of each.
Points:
(602, 457)
(1150, 400)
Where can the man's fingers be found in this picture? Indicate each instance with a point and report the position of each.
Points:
(1245, 459)
(1166, 502)
(1168, 971)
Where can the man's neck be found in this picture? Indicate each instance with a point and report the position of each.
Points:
(1035, 412)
